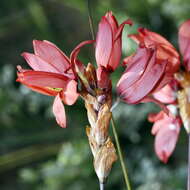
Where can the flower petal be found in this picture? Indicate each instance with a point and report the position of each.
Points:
(145, 84)
(166, 95)
(42, 90)
(148, 37)
(166, 139)
(69, 95)
(166, 128)
(51, 54)
(184, 42)
(104, 43)
(120, 29)
(136, 67)
(74, 62)
(43, 79)
(165, 50)
(38, 64)
(117, 43)
(59, 111)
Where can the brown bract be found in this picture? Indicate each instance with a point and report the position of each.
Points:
(184, 98)
(98, 102)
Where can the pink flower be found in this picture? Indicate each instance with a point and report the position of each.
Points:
(141, 77)
(108, 42)
(52, 75)
(166, 128)
(149, 69)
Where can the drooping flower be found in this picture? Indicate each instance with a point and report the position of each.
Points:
(51, 74)
(149, 69)
(141, 76)
(108, 42)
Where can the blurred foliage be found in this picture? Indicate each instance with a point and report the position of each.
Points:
(34, 152)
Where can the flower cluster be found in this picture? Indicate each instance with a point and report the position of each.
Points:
(152, 74)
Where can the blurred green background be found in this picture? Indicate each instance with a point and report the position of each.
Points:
(35, 153)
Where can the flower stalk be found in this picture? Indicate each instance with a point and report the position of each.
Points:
(90, 20)
(124, 169)
(101, 186)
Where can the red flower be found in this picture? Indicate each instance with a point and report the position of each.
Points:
(150, 69)
(108, 42)
(166, 128)
(52, 75)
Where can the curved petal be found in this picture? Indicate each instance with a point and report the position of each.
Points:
(166, 138)
(136, 67)
(170, 54)
(147, 82)
(51, 54)
(120, 29)
(166, 95)
(42, 90)
(115, 55)
(153, 117)
(165, 50)
(59, 111)
(38, 64)
(75, 53)
(112, 20)
(159, 123)
(69, 95)
(43, 79)
(117, 45)
(184, 42)
(116, 51)
(148, 37)
(104, 43)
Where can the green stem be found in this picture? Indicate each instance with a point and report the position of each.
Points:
(90, 20)
(124, 169)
